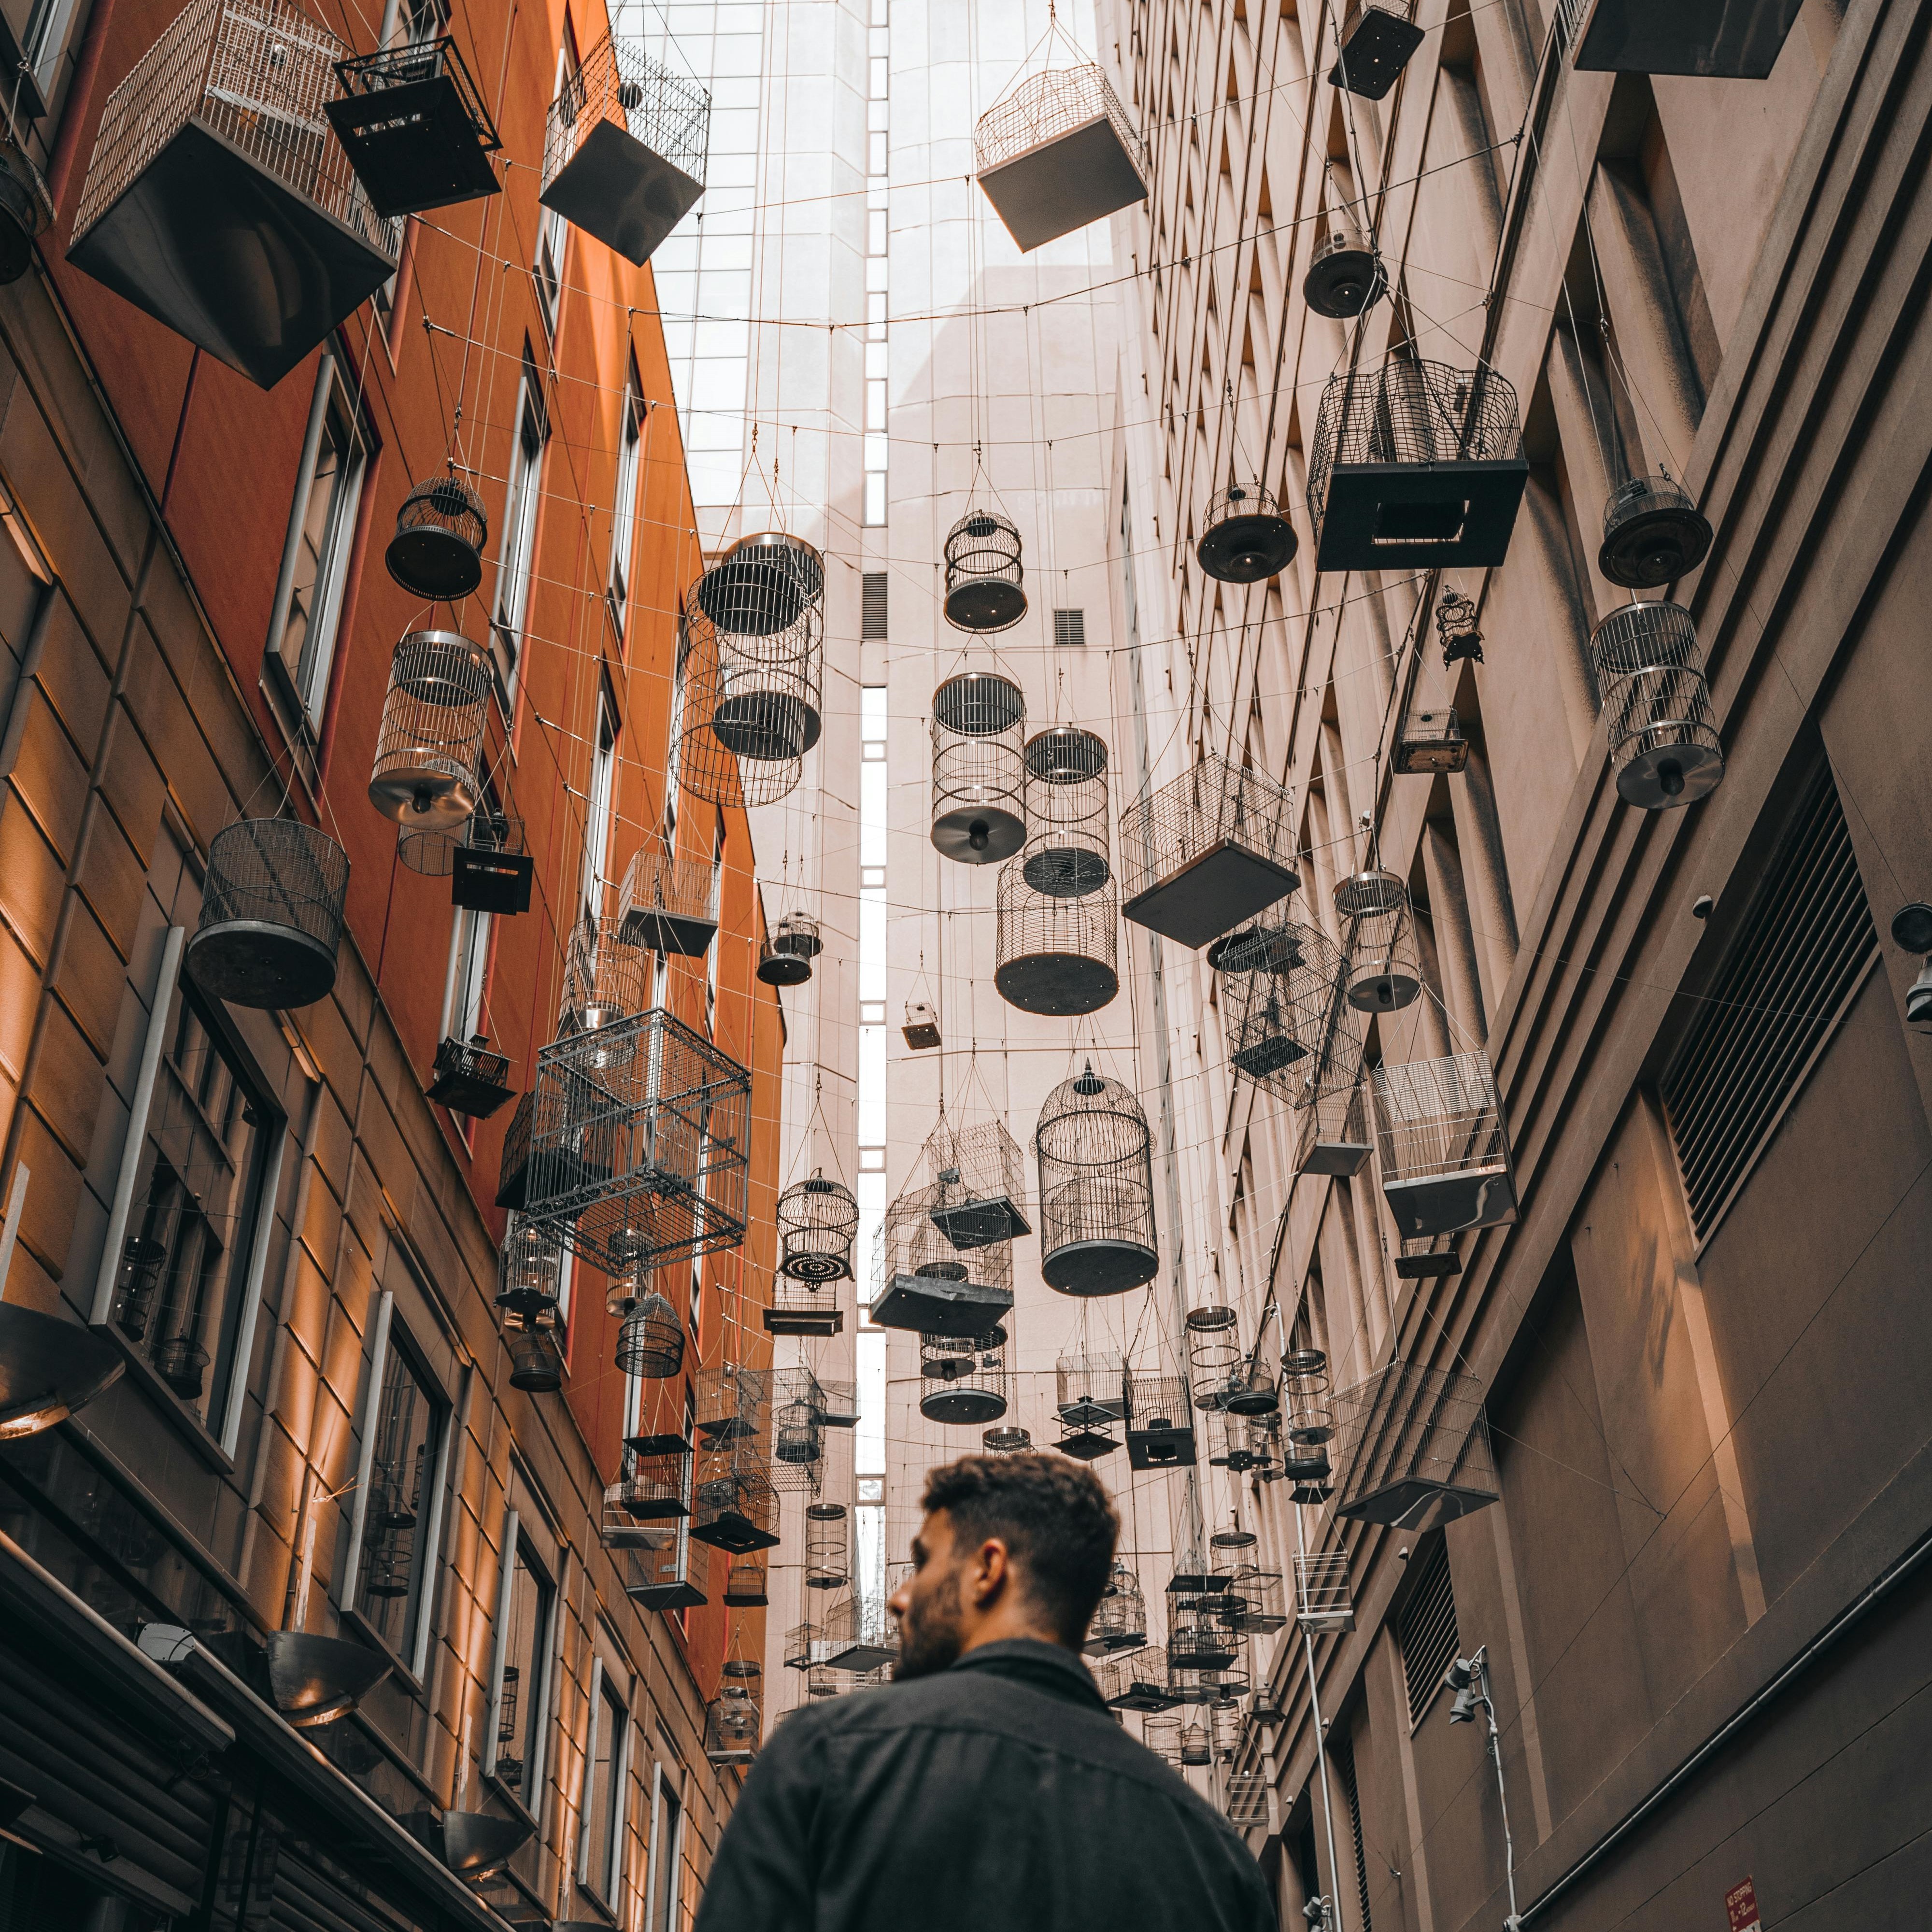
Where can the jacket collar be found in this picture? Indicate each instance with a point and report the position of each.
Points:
(1043, 1667)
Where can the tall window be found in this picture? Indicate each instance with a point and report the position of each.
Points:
(523, 1687)
(666, 1848)
(520, 523)
(393, 1578)
(597, 809)
(711, 957)
(468, 966)
(605, 1772)
(553, 231)
(624, 510)
(322, 526)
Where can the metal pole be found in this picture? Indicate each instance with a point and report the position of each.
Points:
(1482, 1663)
(1321, 1745)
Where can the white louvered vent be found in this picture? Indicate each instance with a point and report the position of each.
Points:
(1430, 1638)
(1069, 630)
(1802, 953)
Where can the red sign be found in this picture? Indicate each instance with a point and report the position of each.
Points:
(1741, 1902)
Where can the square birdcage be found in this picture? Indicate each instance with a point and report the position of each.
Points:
(978, 1176)
(1090, 1388)
(625, 150)
(803, 1308)
(734, 1507)
(1207, 850)
(804, 1646)
(1120, 1620)
(1415, 466)
(1135, 1682)
(1248, 1800)
(1160, 1421)
(469, 1079)
(746, 1584)
(1376, 42)
(662, 1571)
(1333, 1134)
(1323, 1597)
(1057, 153)
(1444, 1147)
(1431, 742)
(668, 904)
(1413, 1448)
(640, 1143)
(415, 128)
(1255, 1602)
(1731, 42)
(218, 199)
(490, 871)
(731, 1404)
(922, 1282)
(860, 1634)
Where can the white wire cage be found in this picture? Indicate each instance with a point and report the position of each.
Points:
(1057, 152)
(1284, 1012)
(1444, 1145)
(433, 718)
(1664, 746)
(1413, 1448)
(668, 904)
(1384, 969)
(979, 1177)
(1323, 1599)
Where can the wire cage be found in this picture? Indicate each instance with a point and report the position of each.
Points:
(213, 161)
(1160, 1422)
(984, 575)
(1414, 1447)
(432, 729)
(536, 1361)
(803, 1308)
(1247, 1445)
(734, 1506)
(603, 981)
(732, 1725)
(731, 1403)
(1066, 857)
(965, 1380)
(1195, 1751)
(1444, 1145)
(26, 211)
(922, 1281)
(1741, 43)
(706, 766)
(1323, 1598)
(1653, 534)
(1006, 1442)
(818, 1220)
(430, 852)
(668, 904)
(1120, 1619)
(1247, 1801)
(653, 1486)
(1334, 1137)
(437, 550)
(665, 1571)
(1255, 1603)
(468, 1079)
(1137, 1682)
(804, 1646)
(786, 954)
(980, 1176)
(1376, 41)
(828, 1546)
(762, 607)
(1664, 746)
(492, 873)
(1096, 1223)
(1345, 274)
(1308, 1412)
(530, 1271)
(1430, 741)
(1197, 1637)
(1215, 1363)
(979, 768)
(1057, 152)
(1056, 954)
(1416, 466)
(1090, 1388)
(271, 921)
(414, 126)
(1160, 1731)
(650, 1342)
(1207, 850)
(761, 586)
(640, 1142)
(798, 1446)
(859, 1634)
(921, 1025)
(1283, 1012)
(746, 1584)
(1244, 537)
(625, 149)
(1384, 970)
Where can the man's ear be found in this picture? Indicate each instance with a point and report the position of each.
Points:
(992, 1570)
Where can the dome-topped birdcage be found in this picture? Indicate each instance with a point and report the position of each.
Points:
(732, 1725)
(1097, 1223)
(530, 1271)
(785, 957)
(650, 1343)
(924, 1283)
(1246, 539)
(1653, 534)
(983, 573)
(1056, 954)
(271, 920)
(1057, 152)
(1344, 275)
(763, 607)
(432, 729)
(1383, 971)
(1444, 1145)
(437, 550)
(1283, 1008)
(818, 1220)
(979, 768)
(1415, 466)
(1664, 745)
(965, 1379)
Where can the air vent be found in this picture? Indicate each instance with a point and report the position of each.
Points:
(1802, 953)
(872, 605)
(1345, 1767)
(1429, 1639)
(1069, 630)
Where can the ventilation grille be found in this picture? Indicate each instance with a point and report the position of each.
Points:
(1429, 1639)
(1802, 953)
(1069, 630)
(1344, 1766)
(872, 607)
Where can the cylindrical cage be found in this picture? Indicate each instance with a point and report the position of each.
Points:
(817, 1221)
(1120, 1619)
(704, 763)
(1214, 1359)
(1006, 1442)
(650, 1344)
(798, 1441)
(1057, 955)
(1384, 972)
(983, 574)
(433, 718)
(1664, 745)
(978, 766)
(1097, 1233)
(828, 1547)
(529, 1268)
(731, 1726)
(1245, 538)
(1308, 1414)
(785, 957)
(437, 550)
(763, 607)
(965, 1379)
(1284, 1011)
(270, 914)
(603, 977)
(1067, 811)
(1653, 534)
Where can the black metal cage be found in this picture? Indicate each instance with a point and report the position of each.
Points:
(1058, 953)
(979, 1177)
(469, 1079)
(1066, 855)
(922, 1281)
(650, 1341)
(1284, 1012)
(1244, 537)
(1097, 1221)
(1413, 1450)
(979, 768)
(983, 573)
(271, 920)
(437, 550)
(1383, 966)
(966, 1379)
(415, 128)
(1160, 1420)
(818, 1220)
(762, 605)
(1664, 745)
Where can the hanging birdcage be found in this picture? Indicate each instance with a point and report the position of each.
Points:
(1247, 1801)
(965, 1379)
(1160, 1731)
(430, 851)
(134, 1287)
(603, 982)
(657, 1109)
(980, 1176)
(1135, 1682)
(762, 607)
(1416, 466)
(1344, 275)
(1323, 1598)
(1214, 1359)
(1090, 1388)
(785, 957)
(924, 1283)
(1377, 39)
(271, 918)
(536, 1361)
(432, 728)
(828, 1551)
(1384, 972)
(625, 149)
(1245, 1444)
(1653, 535)
(1120, 1619)
(650, 1344)
(1207, 850)
(217, 199)
(1255, 1602)
(1246, 539)
(1307, 1408)
(1457, 630)
(529, 1270)
(26, 210)
(979, 768)
(1664, 746)
(761, 586)
(181, 1362)
(468, 1079)
(653, 1486)
(1057, 152)
(731, 1403)
(415, 128)
(665, 1571)
(734, 1507)
(818, 1220)
(706, 766)
(1197, 1639)
(804, 1646)
(1096, 1223)
(859, 1633)
(1160, 1421)
(1445, 1148)
(802, 1308)
(492, 873)
(1733, 42)
(983, 573)
(921, 1025)
(1279, 991)
(1430, 741)
(1414, 1448)
(1195, 1749)
(1333, 1137)
(798, 1446)
(1067, 811)
(437, 550)
(1056, 953)
(668, 904)
(745, 1587)
(732, 1725)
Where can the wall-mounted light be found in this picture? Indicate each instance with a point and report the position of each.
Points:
(1911, 931)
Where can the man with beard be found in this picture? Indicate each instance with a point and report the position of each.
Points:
(988, 1789)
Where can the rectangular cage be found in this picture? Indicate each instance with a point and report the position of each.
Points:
(978, 1176)
(662, 1571)
(922, 1282)
(214, 158)
(1137, 1682)
(1415, 466)
(1160, 1421)
(804, 1646)
(415, 128)
(1256, 1603)
(731, 1403)
(1247, 1799)
(746, 1584)
(1413, 1448)
(860, 1634)
(490, 872)
(1207, 850)
(640, 1143)
(734, 1505)
(1057, 153)
(803, 1308)
(1739, 41)
(469, 1079)
(1090, 1388)
(513, 1174)
(1431, 742)
(625, 150)
(667, 904)
(1334, 1137)
(1323, 1599)
(1444, 1149)
(1376, 43)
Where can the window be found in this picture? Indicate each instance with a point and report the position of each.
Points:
(624, 510)
(553, 231)
(605, 1770)
(1344, 1755)
(674, 739)
(322, 526)
(199, 1198)
(1430, 1638)
(398, 1517)
(469, 959)
(711, 956)
(523, 1684)
(597, 809)
(667, 1849)
(521, 496)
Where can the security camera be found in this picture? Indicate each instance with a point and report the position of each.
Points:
(1918, 999)
(1700, 907)
(1912, 928)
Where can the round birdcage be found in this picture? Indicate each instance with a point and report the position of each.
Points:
(1664, 746)
(785, 958)
(26, 212)
(1246, 537)
(1195, 1748)
(1653, 534)
(979, 767)
(762, 607)
(1120, 1620)
(1096, 1235)
(430, 850)
(1006, 1442)
(1383, 971)
(964, 1378)
(1066, 857)
(1345, 275)
(529, 1270)
(603, 978)
(271, 920)
(437, 550)
(762, 586)
(1056, 954)
(828, 1547)
(536, 1363)
(798, 1434)
(650, 1344)
(817, 1220)
(707, 766)
(1283, 1013)
(1304, 1395)
(983, 576)
(1214, 1358)
(433, 719)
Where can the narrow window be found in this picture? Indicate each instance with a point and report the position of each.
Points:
(1430, 1638)
(1344, 1755)
(624, 510)
(520, 499)
(392, 1579)
(524, 1687)
(603, 1796)
(665, 1852)
(322, 528)
(597, 809)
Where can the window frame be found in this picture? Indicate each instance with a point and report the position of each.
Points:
(661, 1880)
(599, 803)
(527, 1793)
(608, 1704)
(522, 504)
(624, 519)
